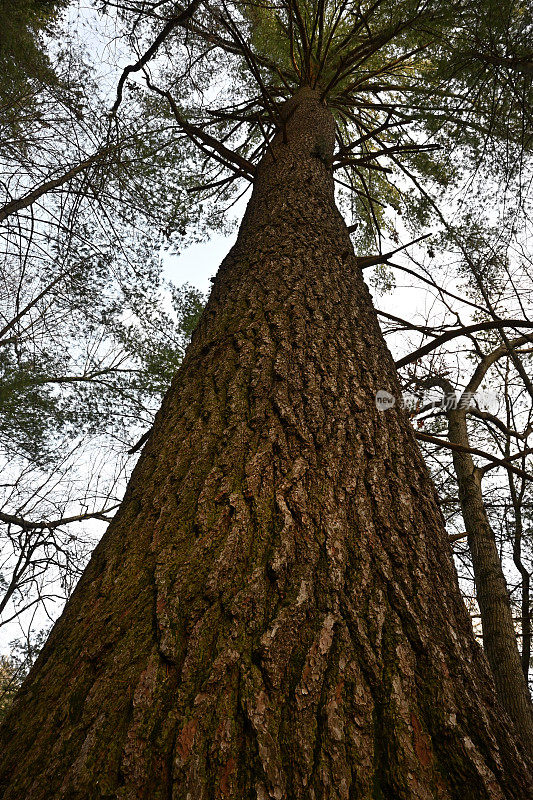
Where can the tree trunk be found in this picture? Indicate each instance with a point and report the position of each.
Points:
(499, 636)
(525, 599)
(274, 612)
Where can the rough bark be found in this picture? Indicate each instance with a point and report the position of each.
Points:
(499, 636)
(274, 612)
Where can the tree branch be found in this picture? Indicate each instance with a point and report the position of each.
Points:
(185, 15)
(372, 261)
(466, 330)
(223, 154)
(27, 525)
(28, 199)
(500, 462)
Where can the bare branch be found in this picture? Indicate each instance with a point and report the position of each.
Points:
(27, 525)
(465, 330)
(500, 462)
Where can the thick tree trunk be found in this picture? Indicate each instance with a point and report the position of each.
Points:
(274, 612)
(499, 636)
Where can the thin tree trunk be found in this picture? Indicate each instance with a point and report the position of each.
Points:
(274, 612)
(499, 636)
(525, 599)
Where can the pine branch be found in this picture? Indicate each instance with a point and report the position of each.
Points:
(227, 157)
(180, 19)
(372, 261)
(28, 199)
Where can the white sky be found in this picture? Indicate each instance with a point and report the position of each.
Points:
(198, 263)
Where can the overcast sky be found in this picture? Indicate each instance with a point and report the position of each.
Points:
(198, 263)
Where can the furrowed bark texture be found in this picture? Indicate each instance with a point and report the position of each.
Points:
(499, 636)
(274, 613)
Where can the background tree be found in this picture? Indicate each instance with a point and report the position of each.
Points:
(90, 333)
(505, 429)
